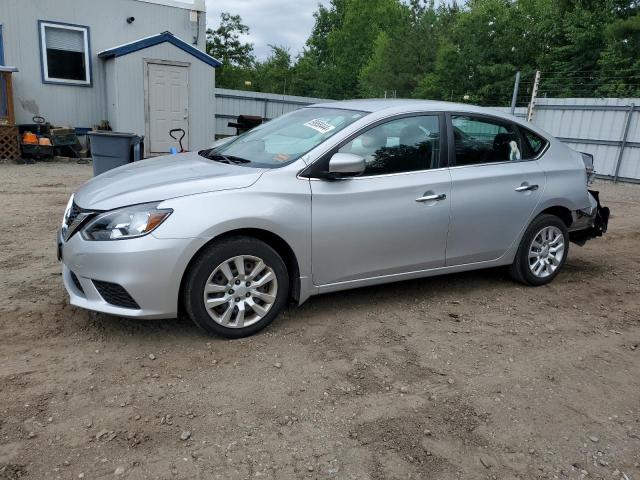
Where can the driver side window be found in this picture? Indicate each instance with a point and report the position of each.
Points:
(402, 145)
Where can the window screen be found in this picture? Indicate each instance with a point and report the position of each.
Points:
(65, 53)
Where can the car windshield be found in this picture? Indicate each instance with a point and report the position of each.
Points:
(284, 139)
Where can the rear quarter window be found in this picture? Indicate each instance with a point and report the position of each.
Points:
(534, 141)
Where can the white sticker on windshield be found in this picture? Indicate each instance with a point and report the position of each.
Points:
(319, 125)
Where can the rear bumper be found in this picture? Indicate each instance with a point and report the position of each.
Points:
(589, 223)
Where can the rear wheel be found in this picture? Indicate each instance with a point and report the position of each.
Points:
(236, 287)
(542, 251)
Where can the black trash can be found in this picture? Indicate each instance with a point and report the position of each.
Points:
(114, 149)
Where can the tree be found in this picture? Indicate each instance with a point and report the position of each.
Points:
(362, 48)
(620, 59)
(403, 53)
(351, 44)
(224, 44)
(273, 74)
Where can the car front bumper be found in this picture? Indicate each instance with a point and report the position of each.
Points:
(148, 270)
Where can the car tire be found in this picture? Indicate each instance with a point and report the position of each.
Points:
(542, 251)
(208, 295)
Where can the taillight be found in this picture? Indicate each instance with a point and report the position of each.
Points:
(587, 158)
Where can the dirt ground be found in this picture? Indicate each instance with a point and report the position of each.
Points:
(463, 376)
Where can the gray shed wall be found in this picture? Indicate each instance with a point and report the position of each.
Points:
(79, 106)
(126, 95)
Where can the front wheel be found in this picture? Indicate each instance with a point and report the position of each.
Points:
(236, 287)
(542, 251)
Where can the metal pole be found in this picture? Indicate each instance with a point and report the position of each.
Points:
(534, 94)
(623, 141)
(514, 97)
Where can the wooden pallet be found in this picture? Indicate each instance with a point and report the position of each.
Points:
(9, 142)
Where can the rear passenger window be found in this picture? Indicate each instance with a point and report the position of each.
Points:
(535, 143)
(480, 140)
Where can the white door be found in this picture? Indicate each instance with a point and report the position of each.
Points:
(168, 103)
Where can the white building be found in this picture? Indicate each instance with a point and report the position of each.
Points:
(139, 64)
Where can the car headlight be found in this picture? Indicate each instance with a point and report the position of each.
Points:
(127, 222)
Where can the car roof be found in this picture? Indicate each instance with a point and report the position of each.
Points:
(397, 105)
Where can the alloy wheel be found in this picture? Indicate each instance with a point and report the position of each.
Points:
(546, 251)
(240, 291)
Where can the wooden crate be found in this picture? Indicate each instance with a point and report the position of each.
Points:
(9, 142)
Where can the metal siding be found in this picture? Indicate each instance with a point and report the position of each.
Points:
(594, 119)
(630, 165)
(80, 106)
(1, 48)
(130, 107)
(572, 119)
(231, 103)
(110, 91)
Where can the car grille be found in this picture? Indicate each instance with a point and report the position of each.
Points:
(74, 220)
(115, 294)
(73, 213)
(76, 282)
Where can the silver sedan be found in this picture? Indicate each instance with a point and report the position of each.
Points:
(329, 197)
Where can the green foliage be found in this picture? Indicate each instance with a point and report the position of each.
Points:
(224, 44)
(409, 48)
(273, 74)
(621, 56)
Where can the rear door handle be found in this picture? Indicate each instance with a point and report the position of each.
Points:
(431, 198)
(526, 188)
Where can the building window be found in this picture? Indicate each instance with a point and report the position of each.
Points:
(65, 53)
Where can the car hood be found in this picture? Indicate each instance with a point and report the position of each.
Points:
(161, 178)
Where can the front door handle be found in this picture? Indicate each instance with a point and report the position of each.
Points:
(526, 188)
(431, 198)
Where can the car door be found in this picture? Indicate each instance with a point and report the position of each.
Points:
(391, 219)
(494, 187)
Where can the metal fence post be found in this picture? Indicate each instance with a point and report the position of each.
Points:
(623, 141)
(514, 97)
(534, 94)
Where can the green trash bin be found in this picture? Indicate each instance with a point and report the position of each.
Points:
(114, 149)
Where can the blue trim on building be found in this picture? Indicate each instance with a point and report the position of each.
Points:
(155, 40)
(1, 48)
(62, 82)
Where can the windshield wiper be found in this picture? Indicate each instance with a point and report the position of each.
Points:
(230, 159)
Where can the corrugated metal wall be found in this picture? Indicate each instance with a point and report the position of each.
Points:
(591, 125)
(231, 103)
(597, 126)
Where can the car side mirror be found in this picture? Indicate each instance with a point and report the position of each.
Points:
(343, 165)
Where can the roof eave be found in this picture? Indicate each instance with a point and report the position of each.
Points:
(153, 40)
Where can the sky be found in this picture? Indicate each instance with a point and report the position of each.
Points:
(277, 22)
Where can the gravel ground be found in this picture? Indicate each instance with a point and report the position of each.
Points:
(463, 376)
